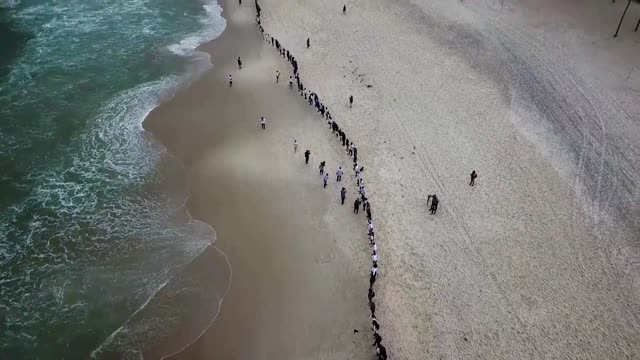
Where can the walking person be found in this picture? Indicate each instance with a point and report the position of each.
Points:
(350, 101)
(321, 167)
(263, 122)
(339, 174)
(344, 9)
(295, 146)
(343, 195)
(308, 43)
(473, 178)
(277, 76)
(306, 156)
(239, 63)
(230, 81)
(356, 206)
(325, 179)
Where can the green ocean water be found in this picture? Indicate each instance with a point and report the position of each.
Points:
(88, 231)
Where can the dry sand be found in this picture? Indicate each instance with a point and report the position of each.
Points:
(299, 259)
(540, 259)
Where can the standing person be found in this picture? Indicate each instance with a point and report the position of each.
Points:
(350, 101)
(295, 146)
(370, 226)
(374, 274)
(290, 82)
(374, 259)
(371, 294)
(368, 211)
(239, 61)
(321, 167)
(308, 43)
(473, 178)
(356, 206)
(240, 2)
(339, 174)
(344, 9)
(230, 81)
(350, 149)
(306, 156)
(263, 122)
(343, 195)
(277, 76)
(325, 179)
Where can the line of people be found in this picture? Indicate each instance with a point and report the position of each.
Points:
(313, 99)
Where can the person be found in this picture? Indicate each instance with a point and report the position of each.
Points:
(263, 122)
(230, 81)
(371, 294)
(344, 9)
(377, 339)
(356, 206)
(368, 211)
(473, 178)
(239, 63)
(382, 352)
(339, 174)
(240, 2)
(374, 274)
(372, 307)
(290, 82)
(374, 323)
(325, 179)
(370, 226)
(350, 149)
(295, 145)
(306, 156)
(355, 154)
(308, 43)
(374, 258)
(277, 76)
(321, 167)
(434, 203)
(343, 195)
(350, 100)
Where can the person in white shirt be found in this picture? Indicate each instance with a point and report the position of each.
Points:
(370, 226)
(230, 81)
(374, 274)
(375, 247)
(295, 145)
(263, 122)
(325, 179)
(374, 258)
(277, 76)
(339, 174)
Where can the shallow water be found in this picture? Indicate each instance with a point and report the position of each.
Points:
(93, 222)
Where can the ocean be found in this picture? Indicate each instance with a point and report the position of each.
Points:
(94, 234)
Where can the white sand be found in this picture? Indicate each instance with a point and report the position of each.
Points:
(540, 259)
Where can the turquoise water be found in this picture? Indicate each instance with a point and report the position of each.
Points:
(88, 231)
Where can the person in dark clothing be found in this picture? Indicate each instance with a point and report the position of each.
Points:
(344, 9)
(371, 294)
(348, 143)
(434, 203)
(344, 139)
(377, 340)
(368, 211)
(343, 195)
(350, 100)
(239, 63)
(306, 156)
(273, 41)
(382, 352)
(372, 307)
(374, 324)
(355, 153)
(473, 178)
(356, 206)
(308, 43)
(321, 167)
(239, 2)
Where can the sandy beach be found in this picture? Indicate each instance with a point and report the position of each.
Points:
(299, 259)
(538, 260)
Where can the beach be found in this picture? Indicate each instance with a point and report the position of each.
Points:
(538, 260)
(299, 260)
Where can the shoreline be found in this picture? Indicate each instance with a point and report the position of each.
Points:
(165, 129)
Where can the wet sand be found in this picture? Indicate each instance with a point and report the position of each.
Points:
(299, 259)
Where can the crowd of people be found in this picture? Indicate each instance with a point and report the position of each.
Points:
(351, 150)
